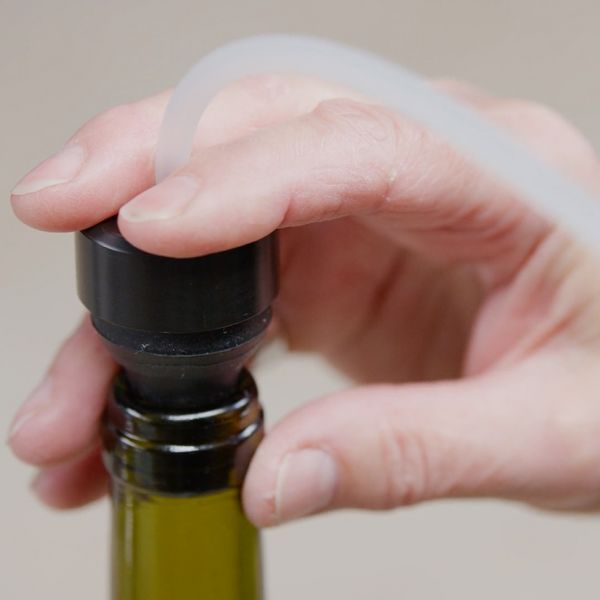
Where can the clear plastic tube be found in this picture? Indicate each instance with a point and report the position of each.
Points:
(548, 192)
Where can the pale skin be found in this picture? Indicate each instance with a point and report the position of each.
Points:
(470, 324)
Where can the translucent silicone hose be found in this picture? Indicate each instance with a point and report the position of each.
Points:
(548, 192)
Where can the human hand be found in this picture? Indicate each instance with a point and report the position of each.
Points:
(472, 325)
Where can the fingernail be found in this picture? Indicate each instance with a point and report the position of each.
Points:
(305, 484)
(38, 400)
(164, 201)
(60, 168)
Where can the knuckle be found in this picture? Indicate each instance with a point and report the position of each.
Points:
(370, 136)
(405, 467)
(365, 122)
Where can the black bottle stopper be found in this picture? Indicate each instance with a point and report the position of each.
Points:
(176, 324)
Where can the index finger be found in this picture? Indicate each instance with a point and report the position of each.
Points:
(110, 159)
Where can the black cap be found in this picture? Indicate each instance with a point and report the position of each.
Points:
(132, 289)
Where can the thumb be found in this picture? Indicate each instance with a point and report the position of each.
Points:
(380, 447)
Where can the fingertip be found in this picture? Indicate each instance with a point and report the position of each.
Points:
(80, 203)
(32, 197)
(64, 208)
(180, 219)
(304, 483)
(107, 162)
(23, 435)
(60, 420)
(50, 436)
(72, 485)
(155, 220)
(50, 204)
(293, 474)
(163, 239)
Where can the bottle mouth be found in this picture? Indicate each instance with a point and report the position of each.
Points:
(184, 452)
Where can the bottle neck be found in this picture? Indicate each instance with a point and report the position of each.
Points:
(182, 452)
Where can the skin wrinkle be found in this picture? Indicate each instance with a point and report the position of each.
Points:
(483, 227)
(406, 465)
(378, 139)
(504, 258)
(367, 122)
(405, 161)
(468, 215)
(467, 218)
(448, 477)
(296, 197)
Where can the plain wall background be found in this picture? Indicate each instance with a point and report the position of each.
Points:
(65, 60)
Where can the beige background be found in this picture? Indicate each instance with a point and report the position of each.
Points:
(61, 62)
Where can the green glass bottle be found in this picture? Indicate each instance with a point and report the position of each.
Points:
(179, 532)
(183, 418)
(183, 547)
